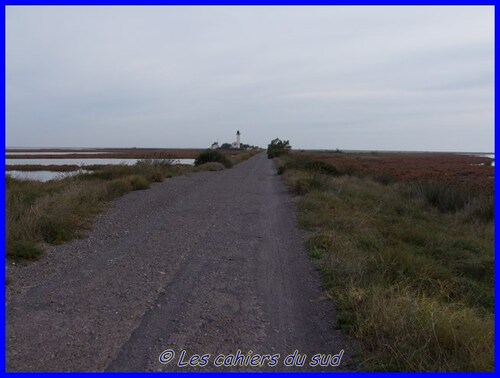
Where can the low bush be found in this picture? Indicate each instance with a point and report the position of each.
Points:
(209, 156)
(277, 148)
(138, 182)
(118, 187)
(156, 176)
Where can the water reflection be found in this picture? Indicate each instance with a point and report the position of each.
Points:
(491, 156)
(34, 153)
(42, 175)
(83, 162)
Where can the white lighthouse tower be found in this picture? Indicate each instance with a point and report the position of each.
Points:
(238, 139)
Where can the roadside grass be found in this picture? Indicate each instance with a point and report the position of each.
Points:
(409, 265)
(58, 211)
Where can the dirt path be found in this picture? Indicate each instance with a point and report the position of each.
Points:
(208, 263)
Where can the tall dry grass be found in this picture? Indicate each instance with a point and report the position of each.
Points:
(58, 211)
(411, 276)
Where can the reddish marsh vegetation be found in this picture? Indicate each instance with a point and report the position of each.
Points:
(453, 168)
(404, 243)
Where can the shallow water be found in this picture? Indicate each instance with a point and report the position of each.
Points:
(491, 156)
(49, 175)
(55, 153)
(83, 162)
(42, 175)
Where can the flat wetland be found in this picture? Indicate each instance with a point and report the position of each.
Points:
(408, 166)
(404, 243)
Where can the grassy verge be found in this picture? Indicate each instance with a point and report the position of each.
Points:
(57, 211)
(409, 264)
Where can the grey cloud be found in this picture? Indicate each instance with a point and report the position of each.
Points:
(323, 77)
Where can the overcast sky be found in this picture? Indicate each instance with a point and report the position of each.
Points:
(376, 78)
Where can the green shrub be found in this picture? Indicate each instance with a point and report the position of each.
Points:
(118, 187)
(278, 147)
(212, 156)
(138, 182)
(155, 175)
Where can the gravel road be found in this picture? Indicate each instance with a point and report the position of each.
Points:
(210, 263)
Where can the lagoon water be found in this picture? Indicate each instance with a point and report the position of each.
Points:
(491, 156)
(48, 175)
(42, 175)
(34, 153)
(83, 162)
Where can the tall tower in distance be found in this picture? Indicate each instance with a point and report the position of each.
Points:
(238, 139)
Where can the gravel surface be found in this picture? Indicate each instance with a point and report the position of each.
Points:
(210, 263)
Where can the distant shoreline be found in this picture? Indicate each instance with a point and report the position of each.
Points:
(399, 151)
(151, 149)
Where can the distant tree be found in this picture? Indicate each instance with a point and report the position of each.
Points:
(244, 146)
(278, 147)
(225, 146)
